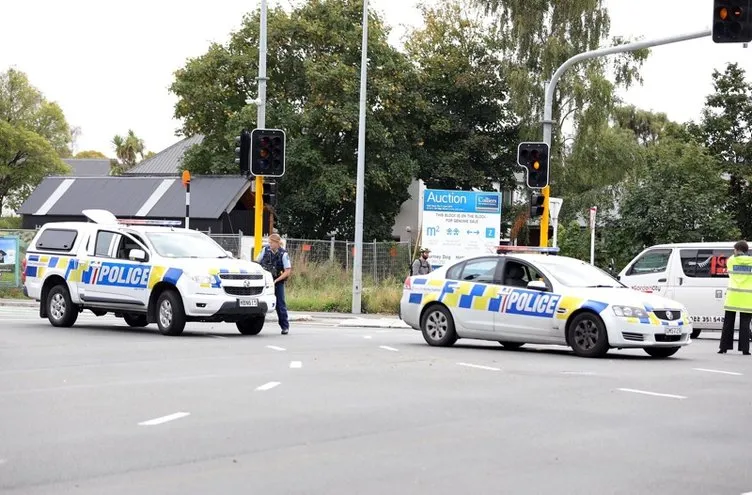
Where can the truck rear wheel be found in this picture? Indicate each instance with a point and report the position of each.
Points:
(60, 309)
(170, 313)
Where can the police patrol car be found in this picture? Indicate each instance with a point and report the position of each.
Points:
(144, 274)
(528, 296)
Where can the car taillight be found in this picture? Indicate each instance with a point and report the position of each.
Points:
(23, 271)
(407, 285)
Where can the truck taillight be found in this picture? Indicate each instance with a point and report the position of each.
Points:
(407, 285)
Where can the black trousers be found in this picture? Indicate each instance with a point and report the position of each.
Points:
(727, 334)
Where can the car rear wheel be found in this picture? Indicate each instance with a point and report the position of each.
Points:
(587, 336)
(251, 326)
(135, 321)
(661, 352)
(437, 326)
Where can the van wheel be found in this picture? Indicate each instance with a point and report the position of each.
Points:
(661, 352)
(696, 333)
(587, 335)
(60, 310)
(135, 321)
(170, 313)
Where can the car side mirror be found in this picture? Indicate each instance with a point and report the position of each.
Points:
(229, 254)
(137, 255)
(537, 285)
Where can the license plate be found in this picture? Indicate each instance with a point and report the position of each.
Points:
(673, 331)
(248, 303)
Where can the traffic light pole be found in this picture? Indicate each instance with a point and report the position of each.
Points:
(551, 86)
(258, 209)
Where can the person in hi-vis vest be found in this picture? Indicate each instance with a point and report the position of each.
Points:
(738, 299)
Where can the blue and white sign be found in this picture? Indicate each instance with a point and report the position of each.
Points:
(459, 224)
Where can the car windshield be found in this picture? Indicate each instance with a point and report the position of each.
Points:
(581, 275)
(185, 245)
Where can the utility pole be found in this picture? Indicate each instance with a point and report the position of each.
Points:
(258, 210)
(550, 87)
(357, 288)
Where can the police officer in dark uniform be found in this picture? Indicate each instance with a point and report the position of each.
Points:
(275, 260)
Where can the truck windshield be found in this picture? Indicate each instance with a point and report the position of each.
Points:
(185, 245)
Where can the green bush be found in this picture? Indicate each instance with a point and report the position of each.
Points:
(328, 287)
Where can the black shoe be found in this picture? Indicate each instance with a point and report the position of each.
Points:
(745, 353)
(285, 330)
(722, 351)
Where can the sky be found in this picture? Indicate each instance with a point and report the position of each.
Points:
(109, 64)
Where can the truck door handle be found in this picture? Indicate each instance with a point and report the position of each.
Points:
(662, 280)
(681, 280)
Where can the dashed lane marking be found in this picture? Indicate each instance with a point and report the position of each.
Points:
(480, 367)
(275, 348)
(367, 337)
(267, 386)
(718, 371)
(584, 373)
(164, 419)
(296, 364)
(387, 348)
(655, 394)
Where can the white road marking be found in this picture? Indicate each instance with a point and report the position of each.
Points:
(671, 396)
(718, 371)
(267, 386)
(275, 348)
(386, 347)
(296, 364)
(367, 337)
(587, 373)
(164, 419)
(480, 367)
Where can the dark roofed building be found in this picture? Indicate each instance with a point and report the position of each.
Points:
(167, 161)
(88, 167)
(221, 204)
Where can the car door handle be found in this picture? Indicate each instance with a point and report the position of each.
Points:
(662, 280)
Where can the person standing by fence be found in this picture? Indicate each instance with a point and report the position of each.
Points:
(276, 260)
(421, 266)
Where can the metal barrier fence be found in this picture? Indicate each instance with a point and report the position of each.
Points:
(381, 260)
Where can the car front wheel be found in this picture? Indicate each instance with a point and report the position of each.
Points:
(587, 336)
(437, 326)
(170, 313)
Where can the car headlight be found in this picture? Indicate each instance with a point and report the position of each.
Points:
(629, 312)
(202, 279)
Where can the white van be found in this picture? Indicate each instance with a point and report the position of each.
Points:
(693, 274)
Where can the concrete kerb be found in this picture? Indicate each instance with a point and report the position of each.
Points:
(343, 319)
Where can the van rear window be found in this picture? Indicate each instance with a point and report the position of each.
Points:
(705, 263)
(57, 240)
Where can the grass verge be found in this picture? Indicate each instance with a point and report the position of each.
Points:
(327, 287)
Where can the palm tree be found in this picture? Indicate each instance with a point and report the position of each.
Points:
(127, 150)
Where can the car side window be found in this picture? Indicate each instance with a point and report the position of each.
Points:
(705, 263)
(481, 270)
(655, 261)
(124, 247)
(455, 272)
(103, 243)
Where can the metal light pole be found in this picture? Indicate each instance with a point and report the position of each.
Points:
(258, 209)
(357, 288)
(550, 87)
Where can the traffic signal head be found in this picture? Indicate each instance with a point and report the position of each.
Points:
(534, 158)
(243, 152)
(270, 193)
(268, 152)
(732, 21)
(536, 205)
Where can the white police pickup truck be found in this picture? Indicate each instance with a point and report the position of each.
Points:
(144, 274)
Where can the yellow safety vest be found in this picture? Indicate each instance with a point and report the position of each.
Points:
(739, 292)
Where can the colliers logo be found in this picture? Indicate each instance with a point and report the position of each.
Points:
(487, 202)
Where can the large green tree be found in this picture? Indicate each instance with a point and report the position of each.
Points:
(726, 129)
(33, 137)
(469, 133)
(313, 94)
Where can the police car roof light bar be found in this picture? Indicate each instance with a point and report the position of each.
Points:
(527, 249)
(149, 221)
